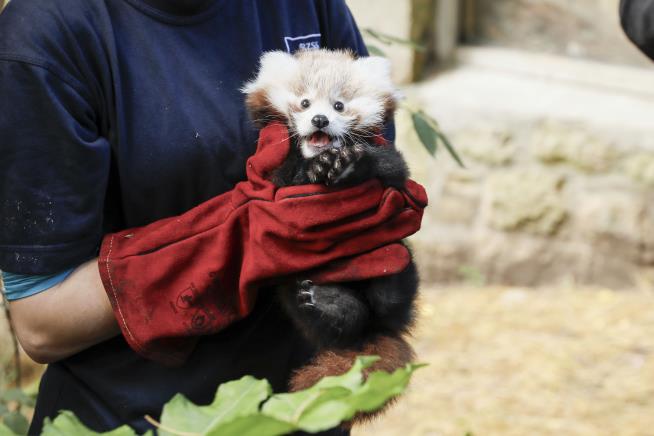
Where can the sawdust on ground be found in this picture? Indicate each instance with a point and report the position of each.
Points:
(529, 362)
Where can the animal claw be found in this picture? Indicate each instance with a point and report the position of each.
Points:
(318, 169)
(325, 158)
(305, 298)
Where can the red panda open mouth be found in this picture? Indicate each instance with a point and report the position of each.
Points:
(319, 139)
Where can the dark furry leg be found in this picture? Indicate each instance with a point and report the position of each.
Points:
(328, 315)
(392, 300)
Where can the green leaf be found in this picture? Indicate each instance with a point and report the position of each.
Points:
(233, 399)
(381, 387)
(429, 134)
(252, 425)
(297, 408)
(16, 422)
(6, 431)
(450, 148)
(18, 396)
(351, 379)
(373, 394)
(67, 424)
(337, 399)
(426, 133)
(387, 39)
(237, 410)
(180, 415)
(375, 51)
(3, 410)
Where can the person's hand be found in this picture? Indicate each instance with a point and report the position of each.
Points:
(194, 274)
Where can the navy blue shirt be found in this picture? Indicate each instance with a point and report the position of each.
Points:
(114, 114)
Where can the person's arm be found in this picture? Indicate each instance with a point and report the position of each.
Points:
(65, 319)
(54, 167)
(637, 19)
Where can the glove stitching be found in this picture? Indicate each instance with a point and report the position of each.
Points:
(115, 295)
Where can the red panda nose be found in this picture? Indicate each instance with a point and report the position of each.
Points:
(320, 121)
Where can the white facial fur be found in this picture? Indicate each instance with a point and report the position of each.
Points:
(324, 77)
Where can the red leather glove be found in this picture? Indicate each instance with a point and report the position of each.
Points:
(194, 274)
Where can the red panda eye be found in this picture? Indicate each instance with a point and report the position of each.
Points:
(338, 106)
(305, 103)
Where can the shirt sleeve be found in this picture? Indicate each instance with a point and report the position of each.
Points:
(637, 18)
(17, 286)
(54, 168)
(340, 31)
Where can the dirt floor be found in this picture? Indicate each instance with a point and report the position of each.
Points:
(509, 361)
(527, 362)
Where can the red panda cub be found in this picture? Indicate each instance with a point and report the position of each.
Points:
(334, 105)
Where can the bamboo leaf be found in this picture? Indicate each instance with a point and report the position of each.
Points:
(450, 148)
(375, 51)
(387, 39)
(426, 133)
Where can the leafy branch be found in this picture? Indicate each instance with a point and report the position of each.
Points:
(426, 127)
(12, 421)
(386, 39)
(247, 407)
(430, 133)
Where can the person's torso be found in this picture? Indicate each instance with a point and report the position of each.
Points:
(165, 91)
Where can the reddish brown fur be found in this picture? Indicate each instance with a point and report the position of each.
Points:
(390, 105)
(261, 110)
(395, 353)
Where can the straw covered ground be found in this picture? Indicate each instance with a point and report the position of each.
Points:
(530, 362)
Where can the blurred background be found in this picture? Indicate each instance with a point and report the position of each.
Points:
(537, 258)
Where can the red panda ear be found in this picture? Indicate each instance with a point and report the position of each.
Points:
(268, 93)
(260, 109)
(377, 72)
(274, 63)
(377, 69)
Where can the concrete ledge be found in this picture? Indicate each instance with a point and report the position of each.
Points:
(635, 80)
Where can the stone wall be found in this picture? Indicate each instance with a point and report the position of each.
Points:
(580, 28)
(391, 17)
(539, 202)
(559, 177)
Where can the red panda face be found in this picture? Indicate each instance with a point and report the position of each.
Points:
(325, 97)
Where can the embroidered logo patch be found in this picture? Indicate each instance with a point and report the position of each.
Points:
(306, 42)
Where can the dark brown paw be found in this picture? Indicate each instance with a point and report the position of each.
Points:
(333, 165)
